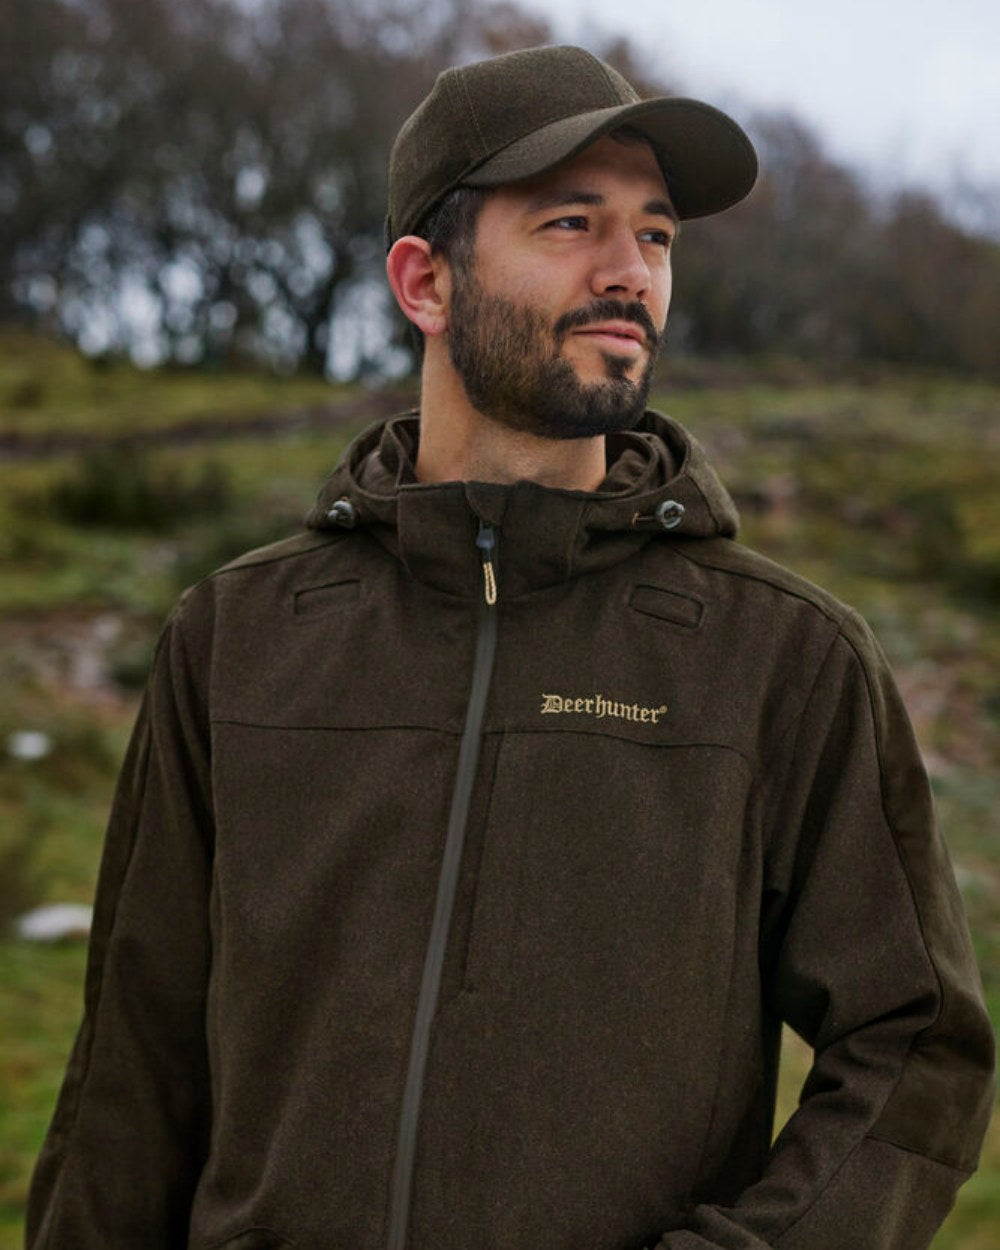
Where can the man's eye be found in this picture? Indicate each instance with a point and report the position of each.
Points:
(663, 238)
(568, 223)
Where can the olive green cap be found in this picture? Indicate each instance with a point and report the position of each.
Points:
(519, 114)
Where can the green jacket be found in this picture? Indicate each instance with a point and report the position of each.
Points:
(436, 922)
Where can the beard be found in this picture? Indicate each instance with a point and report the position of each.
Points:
(510, 360)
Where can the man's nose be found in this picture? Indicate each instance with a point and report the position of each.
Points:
(621, 268)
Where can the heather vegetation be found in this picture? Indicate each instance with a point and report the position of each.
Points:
(881, 487)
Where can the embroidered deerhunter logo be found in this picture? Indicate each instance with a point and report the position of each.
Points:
(599, 707)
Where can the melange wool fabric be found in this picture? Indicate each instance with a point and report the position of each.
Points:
(698, 811)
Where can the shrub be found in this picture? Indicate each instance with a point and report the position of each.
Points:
(120, 487)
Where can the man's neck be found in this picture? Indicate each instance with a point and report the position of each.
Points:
(459, 444)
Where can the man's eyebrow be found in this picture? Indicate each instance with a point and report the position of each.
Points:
(662, 208)
(562, 199)
(559, 199)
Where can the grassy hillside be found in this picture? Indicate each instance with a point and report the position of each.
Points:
(45, 389)
(884, 492)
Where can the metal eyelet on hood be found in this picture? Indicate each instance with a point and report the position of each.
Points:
(343, 513)
(670, 513)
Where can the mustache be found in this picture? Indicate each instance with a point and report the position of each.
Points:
(609, 310)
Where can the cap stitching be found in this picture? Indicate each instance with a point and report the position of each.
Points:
(607, 77)
(472, 113)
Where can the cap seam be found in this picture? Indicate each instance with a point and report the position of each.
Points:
(472, 112)
(607, 78)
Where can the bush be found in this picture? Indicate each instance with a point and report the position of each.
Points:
(121, 488)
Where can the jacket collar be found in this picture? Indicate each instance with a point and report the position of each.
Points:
(545, 535)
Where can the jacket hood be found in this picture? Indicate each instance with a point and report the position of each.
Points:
(659, 484)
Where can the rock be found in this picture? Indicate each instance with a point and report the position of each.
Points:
(28, 744)
(56, 922)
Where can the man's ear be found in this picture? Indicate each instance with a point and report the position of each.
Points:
(420, 283)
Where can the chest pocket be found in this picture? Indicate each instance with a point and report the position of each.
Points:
(667, 605)
(330, 598)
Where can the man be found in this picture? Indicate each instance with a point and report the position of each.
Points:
(472, 847)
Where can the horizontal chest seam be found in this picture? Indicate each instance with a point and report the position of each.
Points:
(350, 728)
(580, 731)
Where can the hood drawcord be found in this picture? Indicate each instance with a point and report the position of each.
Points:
(486, 542)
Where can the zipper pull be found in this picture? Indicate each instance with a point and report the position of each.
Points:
(486, 542)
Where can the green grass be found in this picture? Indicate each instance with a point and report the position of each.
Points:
(47, 564)
(885, 494)
(41, 997)
(46, 389)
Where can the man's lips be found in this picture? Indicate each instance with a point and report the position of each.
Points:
(621, 333)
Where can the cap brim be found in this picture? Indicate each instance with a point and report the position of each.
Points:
(707, 161)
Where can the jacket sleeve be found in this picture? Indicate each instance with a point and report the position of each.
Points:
(126, 1143)
(865, 953)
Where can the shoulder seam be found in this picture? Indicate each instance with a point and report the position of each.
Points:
(816, 601)
(240, 563)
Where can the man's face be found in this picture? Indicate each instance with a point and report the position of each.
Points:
(554, 328)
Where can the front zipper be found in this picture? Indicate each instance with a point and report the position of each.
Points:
(468, 758)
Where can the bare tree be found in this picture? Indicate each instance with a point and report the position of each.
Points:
(200, 179)
(227, 165)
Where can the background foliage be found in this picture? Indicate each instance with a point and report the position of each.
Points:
(199, 180)
(119, 488)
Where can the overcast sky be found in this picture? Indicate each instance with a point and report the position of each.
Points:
(903, 88)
